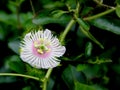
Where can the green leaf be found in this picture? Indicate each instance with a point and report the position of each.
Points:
(71, 3)
(80, 86)
(47, 20)
(118, 10)
(117, 1)
(52, 5)
(7, 79)
(70, 75)
(58, 13)
(86, 10)
(26, 88)
(81, 67)
(50, 85)
(2, 33)
(85, 29)
(4, 17)
(83, 24)
(35, 72)
(14, 45)
(88, 49)
(108, 53)
(12, 7)
(16, 64)
(107, 23)
(92, 71)
(116, 68)
(99, 61)
(89, 35)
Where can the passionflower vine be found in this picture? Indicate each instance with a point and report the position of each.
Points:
(41, 49)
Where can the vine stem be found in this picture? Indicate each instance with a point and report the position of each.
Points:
(46, 78)
(18, 17)
(19, 75)
(32, 8)
(63, 35)
(100, 3)
(100, 14)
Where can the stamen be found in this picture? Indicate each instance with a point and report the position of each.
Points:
(40, 51)
(41, 46)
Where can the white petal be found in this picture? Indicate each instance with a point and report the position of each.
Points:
(47, 34)
(58, 51)
(34, 36)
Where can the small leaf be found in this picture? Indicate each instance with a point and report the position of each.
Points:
(118, 10)
(80, 86)
(83, 24)
(58, 13)
(88, 49)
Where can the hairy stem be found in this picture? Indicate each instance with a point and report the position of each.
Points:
(19, 75)
(100, 14)
(67, 29)
(101, 4)
(46, 78)
(18, 17)
(33, 10)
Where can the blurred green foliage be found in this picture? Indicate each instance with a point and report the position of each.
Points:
(85, 66)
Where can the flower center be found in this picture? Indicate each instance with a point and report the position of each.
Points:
(41, 46)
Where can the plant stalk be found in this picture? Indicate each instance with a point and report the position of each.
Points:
(46, 78)
(19, 75)
(99, 15)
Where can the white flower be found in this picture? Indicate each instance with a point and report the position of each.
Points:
(40, 49)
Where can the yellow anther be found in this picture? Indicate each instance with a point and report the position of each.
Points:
(40, 51)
